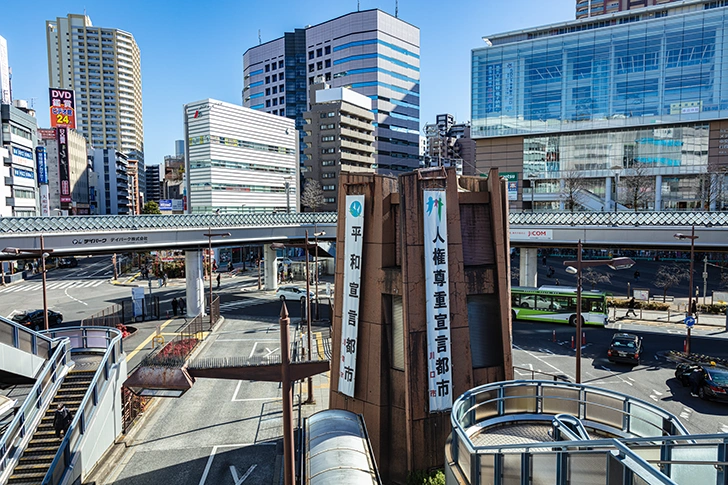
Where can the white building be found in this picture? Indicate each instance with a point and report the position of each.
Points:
(4, 73)
(239, 159)
(103, 66)
(19, 195)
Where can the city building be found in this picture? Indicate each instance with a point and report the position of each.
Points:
(19, 195)
(173, 183)
(370, 52)
(76, 149)
(113, 193)
(153, 184)
(136, 198)
(239, 159)
(103, 66)
(448, 144)
(339, 136)
(629, 114)
(595, 8)
(5, 89)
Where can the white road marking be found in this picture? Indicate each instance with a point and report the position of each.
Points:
(616, 375)
(270, 351)
(657, 392)
(9, 317)
(214, 450)
(686, 412)
(538, 358)
(74, 299)
(723, 428)
(234, 473)
(246, 340)
(545, 351)
(253, 350)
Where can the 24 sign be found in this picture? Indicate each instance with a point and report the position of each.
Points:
(63, 108)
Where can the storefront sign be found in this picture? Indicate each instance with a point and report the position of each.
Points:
(437, 301)
(353, 264)
(63, 166)
(531, 234)
(63, 108)
(41, 165)
(45, 201)
(165, 205)
(26, 174)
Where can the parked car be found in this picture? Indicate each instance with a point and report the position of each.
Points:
(625, 347)
(34, 319)
(68, 262)
(714, 382)
(292, 293)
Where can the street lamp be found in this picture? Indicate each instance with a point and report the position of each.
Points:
(689, 309)
(316, 236)
(575, 267)
(209, 235)
(43, 253)
(616, 193)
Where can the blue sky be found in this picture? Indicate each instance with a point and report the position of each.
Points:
(194, 50)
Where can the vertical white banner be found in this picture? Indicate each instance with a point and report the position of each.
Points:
(45, 201)
(437, 301)
(353, 244)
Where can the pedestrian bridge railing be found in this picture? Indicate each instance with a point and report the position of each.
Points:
(620, 218)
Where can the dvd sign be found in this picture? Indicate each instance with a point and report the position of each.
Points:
(63, 108)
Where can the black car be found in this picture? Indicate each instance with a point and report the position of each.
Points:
(34, 319)
(713, 381)
(625, 347)
(67, 262)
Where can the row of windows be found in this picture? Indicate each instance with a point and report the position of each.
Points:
(23, 193)
(205, 139)
(236, 188)
(319, 65)
(274, 101)
(357, 43)
(320, 51)
(360, 57)
(240, 166)
(273, 66)
(364, 70)
(387, 86)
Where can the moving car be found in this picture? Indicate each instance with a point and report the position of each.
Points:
(713, 384)
(625, 347)
(68, 262)
(292, 293)
(34, 319)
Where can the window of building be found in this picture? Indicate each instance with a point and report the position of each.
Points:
(328, 76)
(282, 112)
(267, 103)
(267, 79)
(328, 126)
(310, 68)
(328, 163)
(280, 88)
(329, 187)
(282, 99)
(319, 52)
(328, 138)
(328, 175)
(328, 150)
(275, 90)
(327, 63)
(331, 114)
(275, 102)
(319, 65)
(280, 64)
(275, 111)
(274, 78)
(267, 68)
(267, 91)
(327, 49)
(310, 54)
(310, 80)
(329, 200)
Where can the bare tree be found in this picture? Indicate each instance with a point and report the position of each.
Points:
(724, 280)
(515, 274)
(572, 190)
(593, 277)
(637, 188)
(668, 277)
(712, 186)
(312, 195)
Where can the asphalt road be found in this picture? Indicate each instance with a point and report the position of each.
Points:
(619, 279)
(652, 380)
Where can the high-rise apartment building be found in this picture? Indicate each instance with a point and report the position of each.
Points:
(449, 145)
(76, 172)
(19, 193)
(370, 52)
(239, 159)
(630, 114)
(595, 8)
(114, 192)
(339, 137)
(5, 91)
(103, 66)
(153, 184)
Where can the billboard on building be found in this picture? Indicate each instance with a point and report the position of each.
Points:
(41, 165)
(4, 73)
(165, 205)
(47, 133)
(63, 167)
(63, 108)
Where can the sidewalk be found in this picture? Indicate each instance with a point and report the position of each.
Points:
(673, 317)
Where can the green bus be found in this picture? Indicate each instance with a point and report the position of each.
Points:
(557, 304)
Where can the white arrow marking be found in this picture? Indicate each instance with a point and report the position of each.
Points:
(240, 480)
(270, 351)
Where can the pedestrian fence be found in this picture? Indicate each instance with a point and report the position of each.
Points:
(123, 314)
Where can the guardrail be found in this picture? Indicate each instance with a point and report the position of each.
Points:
(22, 338)
(85, 339)
(620, 218)
(19, 431)
(509, 402)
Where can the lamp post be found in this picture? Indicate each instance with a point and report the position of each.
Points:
(43, 253)
(575, 267)
(209, 235)
(689, 309)
(616, 193)
(316, 236)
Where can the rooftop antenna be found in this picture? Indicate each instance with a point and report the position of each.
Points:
(259, 40)
(357, 5)
(396, 9)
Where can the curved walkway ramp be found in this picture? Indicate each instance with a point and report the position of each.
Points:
(544, 432)
(85, 371)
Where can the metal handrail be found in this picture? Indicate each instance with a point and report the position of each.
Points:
(72, 439)
(38, 399)
(14, 341)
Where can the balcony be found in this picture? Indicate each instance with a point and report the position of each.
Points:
(558, 433)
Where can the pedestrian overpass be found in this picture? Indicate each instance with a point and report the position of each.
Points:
(84, 235)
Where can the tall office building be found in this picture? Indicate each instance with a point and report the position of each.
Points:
(370, 52)
(103, 66)
(595, 8)
(153, 184)
(630, 114)
(239, 159)
(339, 135)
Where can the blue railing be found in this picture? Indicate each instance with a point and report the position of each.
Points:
(20, 337)
(85, 339)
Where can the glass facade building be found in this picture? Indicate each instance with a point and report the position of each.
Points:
(643, 93)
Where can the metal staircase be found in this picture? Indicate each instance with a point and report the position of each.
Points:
(43, 446)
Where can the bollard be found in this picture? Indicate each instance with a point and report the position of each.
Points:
(583, 338)
(553, 336)
(685, 345)
(572, 343)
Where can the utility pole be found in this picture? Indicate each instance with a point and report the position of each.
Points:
(705, 278)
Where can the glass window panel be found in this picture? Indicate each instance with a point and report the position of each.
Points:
(694, 473)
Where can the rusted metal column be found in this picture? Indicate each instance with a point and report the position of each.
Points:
(289, 470)
(45, 285)
(309, 399)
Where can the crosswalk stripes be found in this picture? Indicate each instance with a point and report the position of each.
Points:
(243, 303)
(54, 285)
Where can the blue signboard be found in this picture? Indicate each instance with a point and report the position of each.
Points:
(26, 174)
(41, 162)
(689, 321)
(19, 152)
(165, 205)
